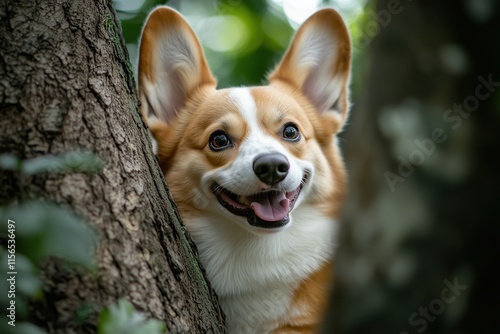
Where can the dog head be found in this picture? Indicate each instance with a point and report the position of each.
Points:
(248, 156)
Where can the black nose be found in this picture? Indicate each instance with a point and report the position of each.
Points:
(271, 168)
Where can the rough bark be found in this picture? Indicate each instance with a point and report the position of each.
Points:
(66, 83)
(402, 248)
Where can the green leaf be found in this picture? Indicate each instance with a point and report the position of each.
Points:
(46, 163)
(82, 161)
(123, 318)
(26, 283)
(68, 236)
(85, 311)
(21, 327)
(46, 229)
(75, 161)
(9, 162)
(27, 214)
(27, 280)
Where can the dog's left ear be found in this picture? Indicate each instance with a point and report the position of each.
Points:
(318, 62)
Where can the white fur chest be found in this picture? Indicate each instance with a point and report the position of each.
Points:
(255, 276)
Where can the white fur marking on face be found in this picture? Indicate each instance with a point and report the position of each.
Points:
(247, 107)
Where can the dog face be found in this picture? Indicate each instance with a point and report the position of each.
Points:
(248, 157)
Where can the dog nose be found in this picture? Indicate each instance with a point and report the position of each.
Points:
(271, 168)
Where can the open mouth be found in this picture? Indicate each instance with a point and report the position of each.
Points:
(269, 209)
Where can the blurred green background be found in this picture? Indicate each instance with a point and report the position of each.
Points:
(243, 40)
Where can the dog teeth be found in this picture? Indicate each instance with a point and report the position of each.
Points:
(244, 200)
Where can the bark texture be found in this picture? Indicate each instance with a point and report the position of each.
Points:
(66, 83)
(417, 258)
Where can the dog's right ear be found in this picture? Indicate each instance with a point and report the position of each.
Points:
(171, 64)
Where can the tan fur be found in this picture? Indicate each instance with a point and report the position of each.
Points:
(311, 295)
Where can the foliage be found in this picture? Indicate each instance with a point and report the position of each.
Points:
(123, 318)
(74, 161)
(34, 230)
(47, 229)
(43, 229)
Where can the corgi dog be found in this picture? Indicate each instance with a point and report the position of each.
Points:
(255, 172)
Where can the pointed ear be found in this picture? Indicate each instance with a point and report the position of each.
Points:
(171, 64)
(318, 62)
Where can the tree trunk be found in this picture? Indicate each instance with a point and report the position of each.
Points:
(419, 244)
(66, 83)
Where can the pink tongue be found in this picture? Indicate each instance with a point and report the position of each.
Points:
(271, 206)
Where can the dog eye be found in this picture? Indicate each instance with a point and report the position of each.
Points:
(291, 132)
(219, 140)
